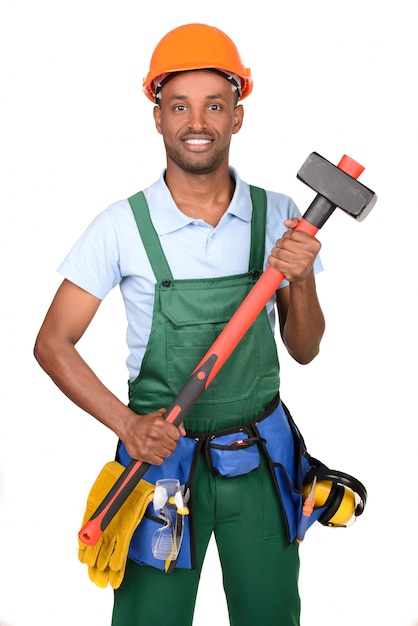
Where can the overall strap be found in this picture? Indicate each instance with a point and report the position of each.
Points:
(150, 237)
(258, 227)
(152, 242)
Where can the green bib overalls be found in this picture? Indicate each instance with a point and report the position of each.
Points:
(259, 572)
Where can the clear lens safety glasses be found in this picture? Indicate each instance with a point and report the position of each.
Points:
(170, 505)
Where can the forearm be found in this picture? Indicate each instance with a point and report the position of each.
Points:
(146, 437)
(304, 323)
(80, 384)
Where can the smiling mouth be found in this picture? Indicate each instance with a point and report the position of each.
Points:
(197, 142)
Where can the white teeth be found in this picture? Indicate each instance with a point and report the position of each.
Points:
(197, 141)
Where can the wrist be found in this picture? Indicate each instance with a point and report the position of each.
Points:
(124, 424)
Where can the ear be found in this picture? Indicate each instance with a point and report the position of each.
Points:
(157, 119)
(238, 118)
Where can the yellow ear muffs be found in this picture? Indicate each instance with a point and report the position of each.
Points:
(346, 509)
(337, 492)
(340, 502)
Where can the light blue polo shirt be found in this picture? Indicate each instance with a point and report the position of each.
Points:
(110, 252)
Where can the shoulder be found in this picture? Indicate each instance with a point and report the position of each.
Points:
(120, 213)
(281, 205)
(278, 203)
(117, 215)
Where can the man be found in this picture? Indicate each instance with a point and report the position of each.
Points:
(201, 246)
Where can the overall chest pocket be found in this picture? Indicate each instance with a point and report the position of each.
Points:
(194, 315)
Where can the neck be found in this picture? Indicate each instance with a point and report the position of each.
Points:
(201, 196)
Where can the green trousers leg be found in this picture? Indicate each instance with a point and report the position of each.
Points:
(260, 573)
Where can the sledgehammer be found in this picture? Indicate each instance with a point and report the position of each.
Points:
(337, 187)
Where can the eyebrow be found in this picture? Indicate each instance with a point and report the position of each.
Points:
(215, 96)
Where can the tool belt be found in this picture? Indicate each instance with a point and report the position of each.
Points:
(230, 453)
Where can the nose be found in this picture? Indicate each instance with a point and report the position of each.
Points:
(197, 121)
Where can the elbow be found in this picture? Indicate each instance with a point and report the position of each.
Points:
(305, 357)
(38, 352)
(311, 347)
(42, 352)
(304, 352)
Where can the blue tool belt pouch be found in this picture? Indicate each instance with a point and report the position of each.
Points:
(288, 459)
(181, 465)
(232, 452)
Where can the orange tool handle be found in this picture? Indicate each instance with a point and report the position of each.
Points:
(206, 370)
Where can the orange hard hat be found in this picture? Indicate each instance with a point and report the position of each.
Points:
(197, 47)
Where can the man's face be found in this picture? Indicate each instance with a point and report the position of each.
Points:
(197, 117)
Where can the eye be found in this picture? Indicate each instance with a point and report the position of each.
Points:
(179, 107)
(214, 107)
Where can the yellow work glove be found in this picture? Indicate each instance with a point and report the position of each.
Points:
(106, 560)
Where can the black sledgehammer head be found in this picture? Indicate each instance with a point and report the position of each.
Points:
(338, 188)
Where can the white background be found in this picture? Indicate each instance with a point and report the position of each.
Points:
(76, 135)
